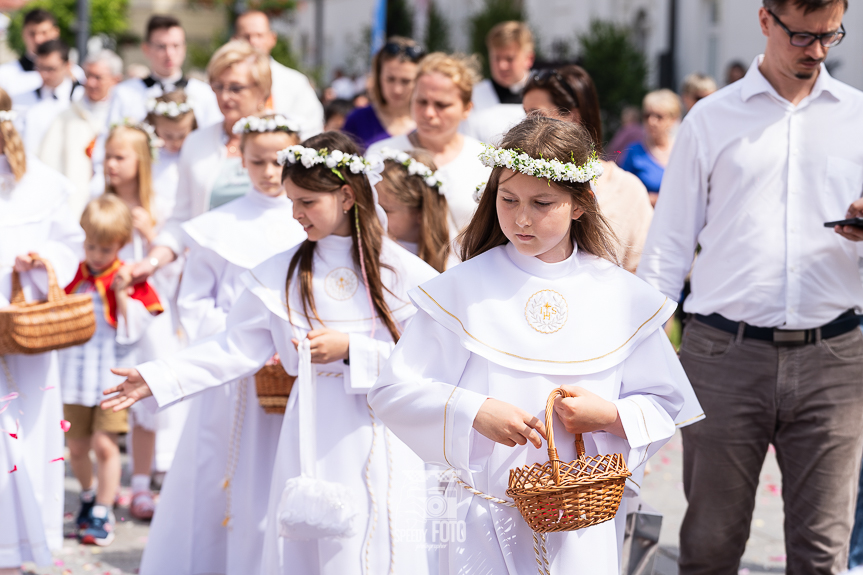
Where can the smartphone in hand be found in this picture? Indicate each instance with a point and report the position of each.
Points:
(856, 222)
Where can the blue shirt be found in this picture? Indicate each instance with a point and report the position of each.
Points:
(639, 162)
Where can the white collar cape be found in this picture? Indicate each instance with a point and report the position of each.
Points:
(579, 316)
(249, 230)
(33, 198)
(340, 297)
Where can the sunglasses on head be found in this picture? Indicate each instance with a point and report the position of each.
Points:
(543, 77)
(412, 52)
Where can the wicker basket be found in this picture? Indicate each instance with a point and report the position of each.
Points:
(273, 386)
(559, 496)
(36, 327)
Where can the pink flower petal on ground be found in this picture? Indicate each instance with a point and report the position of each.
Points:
(65, 425)
(10, 397)
(58, 562)
(58, 459)
(47, 388)
(14, 469)
(2, 409)
(13, 435)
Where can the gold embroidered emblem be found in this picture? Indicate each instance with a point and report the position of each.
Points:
(341, 284)
(546, 311)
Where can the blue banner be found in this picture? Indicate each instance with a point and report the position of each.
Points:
(379, 27)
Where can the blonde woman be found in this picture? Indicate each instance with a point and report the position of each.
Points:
(211, 170)
(440, 102)
(34, 218)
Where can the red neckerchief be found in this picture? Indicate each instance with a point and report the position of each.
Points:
(143, 292)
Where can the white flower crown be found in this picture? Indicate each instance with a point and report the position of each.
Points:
(309, 157)
(8, 115)
(414, 168)
(277, 123)
(168, 109)
(154, 141)
(555, 170)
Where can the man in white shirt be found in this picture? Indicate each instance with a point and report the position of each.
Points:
(68, 145)
(165, 50)
(39, 107)
(20, 75)
(292, 94)
(497, 101)
(772, 346)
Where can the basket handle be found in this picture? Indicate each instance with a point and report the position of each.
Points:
(54, 292)
(549, 430)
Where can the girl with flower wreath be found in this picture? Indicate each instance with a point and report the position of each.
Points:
(412, 195)
(538, 303)
(203, 524)
(343, 488)
(130, 149)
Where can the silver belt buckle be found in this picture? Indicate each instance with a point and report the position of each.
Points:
(789, 337)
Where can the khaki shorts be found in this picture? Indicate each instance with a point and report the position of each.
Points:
(87, 420)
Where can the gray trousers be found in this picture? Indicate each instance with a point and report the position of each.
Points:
(808, 402)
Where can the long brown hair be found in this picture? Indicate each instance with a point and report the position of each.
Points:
(413, 192)
(549, 139)
(572, 89)
(13, 147)
(140, 142)
(370, 234)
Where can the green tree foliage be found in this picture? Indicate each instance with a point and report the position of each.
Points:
(617, 66)
(437, 30)
(106, 17)
(400, 19)
(494, 12)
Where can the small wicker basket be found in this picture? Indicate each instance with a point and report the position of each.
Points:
(273, 386)
(559, 496)
(37, 327)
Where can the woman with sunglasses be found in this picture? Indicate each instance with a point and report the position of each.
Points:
(647, 159)
(569, 94)
(394, 72)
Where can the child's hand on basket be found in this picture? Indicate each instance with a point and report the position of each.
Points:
(132, 390)
(586, 412)
(25, 263)
(507, 424)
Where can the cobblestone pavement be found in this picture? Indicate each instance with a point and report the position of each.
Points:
(663, 489)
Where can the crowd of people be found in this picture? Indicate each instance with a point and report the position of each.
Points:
(427, 256)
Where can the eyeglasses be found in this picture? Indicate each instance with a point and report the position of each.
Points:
(804, 39)
(542, 77)
(232, 89)
(411, 51)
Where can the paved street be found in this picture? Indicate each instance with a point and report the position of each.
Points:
(663, 489)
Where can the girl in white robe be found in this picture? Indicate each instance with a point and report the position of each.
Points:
(347, 331)
(194, 530)
(34, 217)
(537, 304)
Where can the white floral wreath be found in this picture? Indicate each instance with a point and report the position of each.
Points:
(309, 157)
(168, 109)
(154, 141)
(555, 170)
(8, 115)
(277, 123)
(414, 168)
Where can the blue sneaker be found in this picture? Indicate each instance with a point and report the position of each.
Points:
(88, 500)
(100, 527)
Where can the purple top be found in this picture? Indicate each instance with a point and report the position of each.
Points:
(364, 125)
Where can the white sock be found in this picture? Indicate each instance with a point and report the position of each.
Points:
(140, 483)
(88, 495)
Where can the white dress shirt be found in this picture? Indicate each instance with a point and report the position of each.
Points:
(752, 179)
(294, 97)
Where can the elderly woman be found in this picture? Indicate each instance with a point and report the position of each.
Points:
(394, 72)
(441, 100)
(569, 94)
(648, 159)
(211, 169)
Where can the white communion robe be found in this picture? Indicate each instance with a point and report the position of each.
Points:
(294, 97)
(187, 534)
(522, 329)
(462, 175)
(383, 480)
(33, 218)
